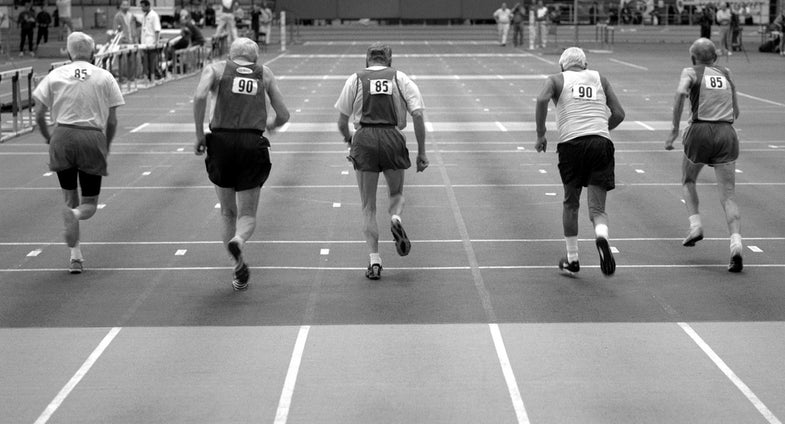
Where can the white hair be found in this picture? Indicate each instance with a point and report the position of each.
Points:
(80, 46)
(245, 48)
(571, 57)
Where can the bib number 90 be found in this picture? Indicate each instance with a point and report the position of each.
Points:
(380, 86)
(246, 86)
(584, 92)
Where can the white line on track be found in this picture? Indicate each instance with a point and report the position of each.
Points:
(140, 127)
(644, 125)
(509, 376)
(80, 373)
(748, 393)
(760, 99)
(285, 402)
(632, 65)
(501, 126)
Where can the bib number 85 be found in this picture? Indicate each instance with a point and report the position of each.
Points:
(246, 86)
(715, 82)
(379, 86)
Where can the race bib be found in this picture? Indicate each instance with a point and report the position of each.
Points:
(81, 74)
(380, 86)
(715, 82)
(584, 92)
(246, 86)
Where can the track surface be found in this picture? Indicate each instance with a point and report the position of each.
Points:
(475, 325)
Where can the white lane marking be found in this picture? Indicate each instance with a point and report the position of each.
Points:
(101, 206)
(34, 253)
(218, 206)
(645, 125)
(520, 148)
(146, 173)
(344, 172)
(631, 65)
(429, 126)
(542, 171)
(748, 393)
(48, 174)
(509, 375)
(550, 194)
(141, 127)
(181, 149)
(285, 402)
(324, 252)
(180, 252)
(640, 171)
(500, 126)
(739, 171)
(336, 204)
(284, 127)
(614, 249)
(80, 373)
(171, 111)
(755, 249)
(760, 99)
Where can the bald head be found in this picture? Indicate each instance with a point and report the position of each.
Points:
(703, 52)
(80, 46)
(244, 48)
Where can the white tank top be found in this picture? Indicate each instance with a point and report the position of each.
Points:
(581, 109)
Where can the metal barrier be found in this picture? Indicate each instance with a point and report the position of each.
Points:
(21, 122)
(604, 34)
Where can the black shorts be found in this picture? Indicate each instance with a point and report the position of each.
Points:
(587, 160)
(377, 149)
(238, 160)
(711, 143)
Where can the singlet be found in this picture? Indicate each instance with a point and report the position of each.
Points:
(240, 102)
(378, 104)
(582, 109)
(711, 95)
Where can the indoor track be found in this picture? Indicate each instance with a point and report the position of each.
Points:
(476, 325)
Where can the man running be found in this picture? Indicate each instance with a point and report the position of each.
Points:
(586, 110)
(709, 140)
(82, 99)
(238, 154)
(377, 100)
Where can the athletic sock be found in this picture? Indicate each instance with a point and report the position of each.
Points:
(375, 258)
(735, 243)
(77, 213)
(695, 221)
(572, 248)
(395, 218)
(601, 230)
(76, 252)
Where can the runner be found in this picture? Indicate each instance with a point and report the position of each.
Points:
(583, 99)
(709, 140)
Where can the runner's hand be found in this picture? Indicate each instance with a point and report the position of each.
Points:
(422, 162)
(200, 146)
(671, 138)
(541, 145)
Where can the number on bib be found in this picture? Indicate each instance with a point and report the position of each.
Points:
(584, 92)
(717, 82)
(247, 86)
(81, 74)
(379, 86)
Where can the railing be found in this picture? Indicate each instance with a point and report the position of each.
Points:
(12, 99)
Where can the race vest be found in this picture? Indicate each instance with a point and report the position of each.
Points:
(711, 97)
(582, 109)
(378, 92)
(240, 102)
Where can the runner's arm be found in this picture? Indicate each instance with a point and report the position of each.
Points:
(111, 126)
(276, 101)
(541, 112)
(40, 120)
(200, 106)
(617, 111)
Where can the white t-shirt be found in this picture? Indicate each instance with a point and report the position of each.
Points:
(151, 24)
(79, 93)
(63, 8)
(350, 102)
(502, 16)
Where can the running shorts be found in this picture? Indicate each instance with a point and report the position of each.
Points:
(377, 149)
(711, 143)
(238, 160)
(83, 148)
(587, 160)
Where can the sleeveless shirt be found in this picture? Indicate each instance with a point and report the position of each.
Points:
(240, 102)
(711, 96)
(378, 105)
(581, 109)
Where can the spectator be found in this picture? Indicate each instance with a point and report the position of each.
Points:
(226, 24)
(26, 23)
(266, 22)
(541, 20)
(64, 17)
(779, 23)
(151, 31)
(723, 16)
(43, 19)
(125, 22)
(705, 21)
(503, 16)
(518, 18)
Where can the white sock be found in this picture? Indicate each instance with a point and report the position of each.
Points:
(77, 213)
(735, 243)
(239, 240)
(601, 230)
(695, 221)
(395, 218)
(572, 248)
(376, 258)
(76, 252)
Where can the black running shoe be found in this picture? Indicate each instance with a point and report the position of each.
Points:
(234, 249)
(607, 263)
(75, 266)
(402, 244)
(693, 237)
(569, 267)
(241, 277)
(736, 264)
(374, 272)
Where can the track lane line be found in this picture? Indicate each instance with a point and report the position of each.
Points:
(748, 393)
(80, 373)
(285, 402)
(509, 376)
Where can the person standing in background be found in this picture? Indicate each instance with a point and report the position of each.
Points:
(518, 18)
(26, 22)
(64, 18)
(151, 31)
(503, 17)
(43, 19)
(125, 22)
(541, 20)
(723, 19)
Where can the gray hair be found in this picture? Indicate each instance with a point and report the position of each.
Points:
(80, 46)
(244, 48)
(573, 56)
(703, 51)
(380, 53)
